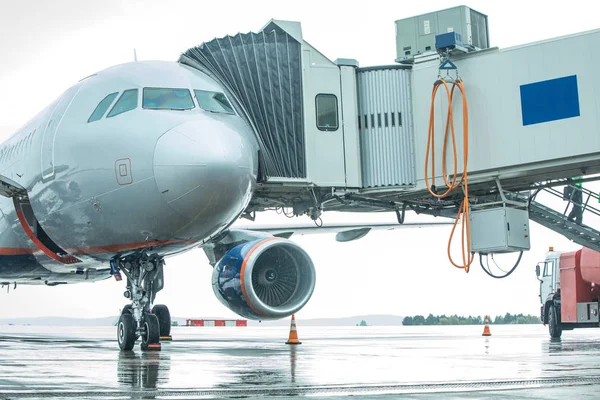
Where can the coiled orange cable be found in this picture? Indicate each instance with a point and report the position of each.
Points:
(455, 182)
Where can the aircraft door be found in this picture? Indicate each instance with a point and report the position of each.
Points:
(51, 128)
(36, 233)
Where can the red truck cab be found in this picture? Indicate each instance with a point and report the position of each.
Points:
(569, 290)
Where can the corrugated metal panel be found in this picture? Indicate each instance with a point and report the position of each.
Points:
(386, 127)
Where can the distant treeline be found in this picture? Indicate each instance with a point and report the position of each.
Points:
(470, 320)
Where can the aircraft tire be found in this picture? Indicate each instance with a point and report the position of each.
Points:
(126, 332)
(152, 331)
(164, 319)
(127, 309)
(554, 326)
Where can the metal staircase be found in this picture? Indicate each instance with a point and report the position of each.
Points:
(559, 222)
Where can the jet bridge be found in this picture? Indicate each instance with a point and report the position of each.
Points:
(335, 136)
(304, 110)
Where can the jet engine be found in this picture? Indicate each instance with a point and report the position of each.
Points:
(268, 278)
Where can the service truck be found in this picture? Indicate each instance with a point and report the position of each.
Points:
(569, 290)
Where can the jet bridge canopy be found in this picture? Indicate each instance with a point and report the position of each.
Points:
(301, 106)
(263, 73)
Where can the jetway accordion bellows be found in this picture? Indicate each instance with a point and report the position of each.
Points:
(386, 126)
(263, 75)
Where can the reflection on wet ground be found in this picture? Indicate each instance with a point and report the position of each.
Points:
(142, 370)
(419, 362)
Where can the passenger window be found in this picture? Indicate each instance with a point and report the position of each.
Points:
(127, 102)
(327, 112)
(102, 107)
(213, 101)
(167, 99)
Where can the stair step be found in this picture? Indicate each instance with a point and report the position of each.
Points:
(556, 221)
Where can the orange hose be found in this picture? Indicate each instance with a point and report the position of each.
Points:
(455, 182)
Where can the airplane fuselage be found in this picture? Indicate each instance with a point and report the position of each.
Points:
(133, 157)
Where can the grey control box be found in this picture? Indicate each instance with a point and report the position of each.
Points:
(499, 230)
(416, 35)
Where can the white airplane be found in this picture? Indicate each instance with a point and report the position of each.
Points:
(133, 164)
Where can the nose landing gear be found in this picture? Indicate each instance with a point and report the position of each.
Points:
(138, 320)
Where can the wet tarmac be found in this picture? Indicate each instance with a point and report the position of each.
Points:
(517, 362)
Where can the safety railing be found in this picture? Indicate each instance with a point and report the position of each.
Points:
(576, 196)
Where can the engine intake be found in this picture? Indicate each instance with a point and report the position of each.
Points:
(264, 279)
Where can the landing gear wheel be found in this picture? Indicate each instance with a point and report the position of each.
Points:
(151, 334)
(554, 326)
(128, 310)
(145, 278)
(164, 319)
(126, 331)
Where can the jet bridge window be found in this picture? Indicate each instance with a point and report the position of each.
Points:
(102, 107)
(327, 112)
(167, 99)
(213, 101)
(127, 102)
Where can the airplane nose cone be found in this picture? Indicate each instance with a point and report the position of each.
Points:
(205, 171)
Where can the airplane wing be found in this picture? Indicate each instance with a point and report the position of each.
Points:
(346, 232)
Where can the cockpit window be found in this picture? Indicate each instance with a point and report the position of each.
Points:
(102, 107)
(167, 99)
(127, 102)
(213, 101)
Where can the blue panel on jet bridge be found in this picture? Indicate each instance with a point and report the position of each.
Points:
(550, 100)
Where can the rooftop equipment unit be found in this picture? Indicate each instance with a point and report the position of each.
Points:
(416, 35)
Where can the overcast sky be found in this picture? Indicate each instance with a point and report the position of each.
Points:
(47, 46)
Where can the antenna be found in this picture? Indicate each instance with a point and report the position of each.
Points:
(134, 55)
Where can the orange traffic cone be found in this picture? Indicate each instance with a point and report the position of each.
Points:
(486, 328)
(293, 339)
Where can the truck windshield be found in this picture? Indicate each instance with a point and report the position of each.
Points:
(548, 267)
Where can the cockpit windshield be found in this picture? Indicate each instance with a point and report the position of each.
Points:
(102, 107)
(213, 101)
(167, 99)
(127, 102)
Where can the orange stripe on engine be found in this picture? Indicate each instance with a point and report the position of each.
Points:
(243, 270)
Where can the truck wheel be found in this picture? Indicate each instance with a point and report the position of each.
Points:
(553, 323)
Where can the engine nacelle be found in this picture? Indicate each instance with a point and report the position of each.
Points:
(264, 279)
